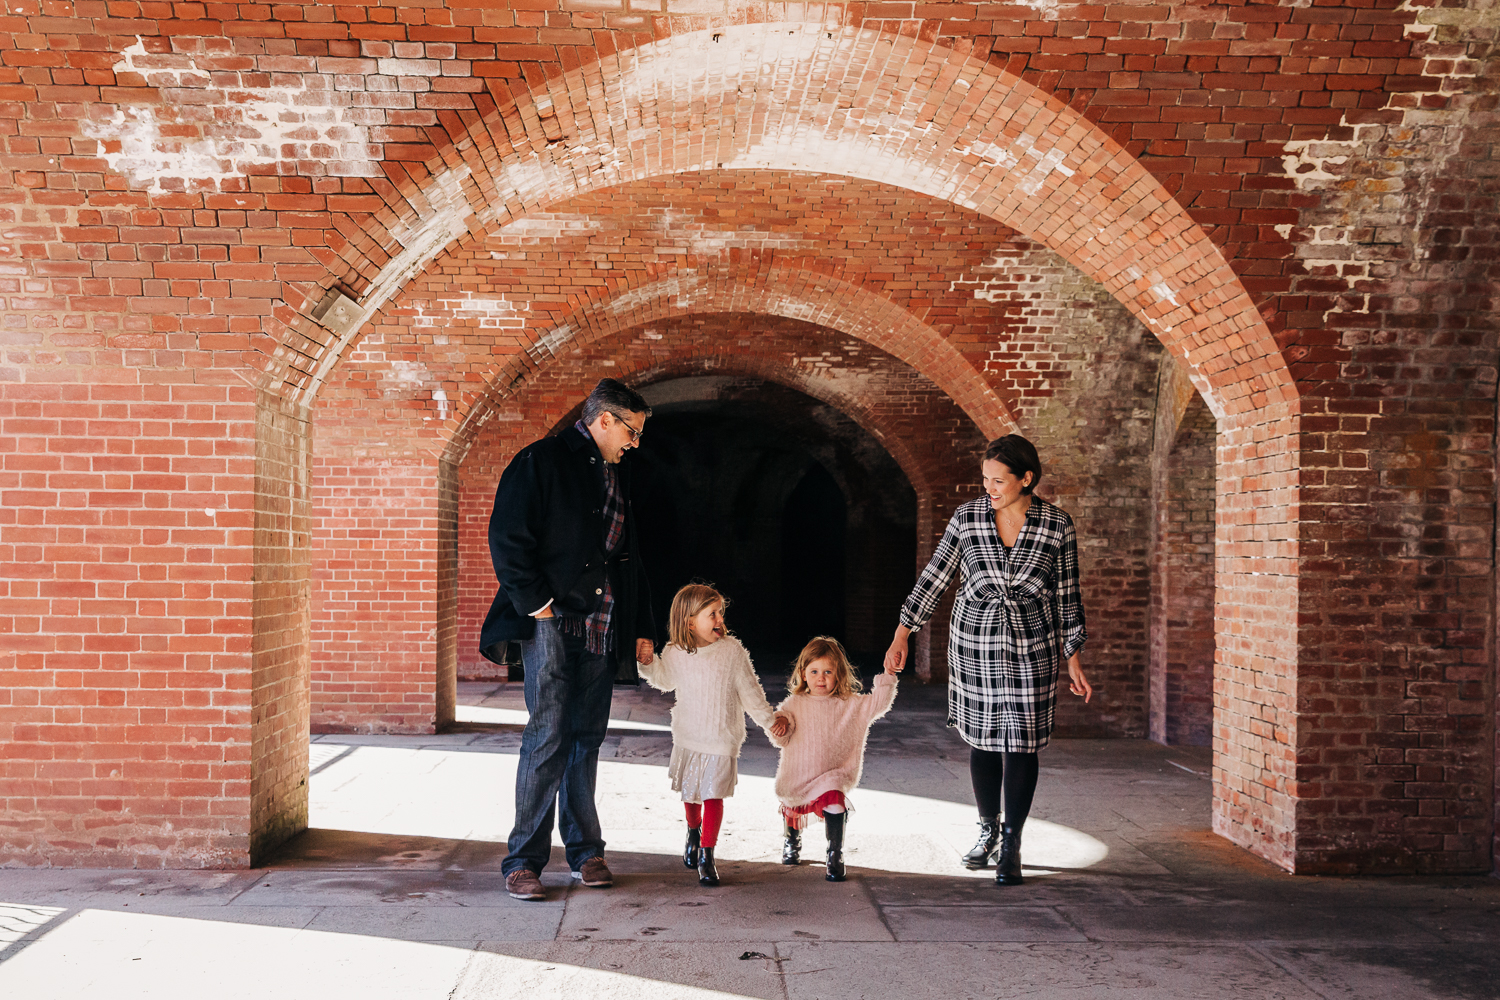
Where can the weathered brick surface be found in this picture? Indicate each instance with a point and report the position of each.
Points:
(1180, 678)
(279, 696)
(1298, 201)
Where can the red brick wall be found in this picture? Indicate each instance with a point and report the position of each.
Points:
(375, 563)
(279, 696)
(128, 528)
(1182, 595)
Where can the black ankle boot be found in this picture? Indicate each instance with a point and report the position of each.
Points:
(791, 845)
(984, 847)
(690, 853)
(835, 824)
(707, 873)
(1008, 864)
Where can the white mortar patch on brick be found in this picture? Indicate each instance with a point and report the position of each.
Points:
(292, 127)
(536, 228)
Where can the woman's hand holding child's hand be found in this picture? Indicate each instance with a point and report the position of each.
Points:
(895, 657)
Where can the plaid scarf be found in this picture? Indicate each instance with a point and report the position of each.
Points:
(595, 628)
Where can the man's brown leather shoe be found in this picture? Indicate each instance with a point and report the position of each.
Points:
(595, 873)
(523, 884)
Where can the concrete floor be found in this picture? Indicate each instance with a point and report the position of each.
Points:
(396, 891)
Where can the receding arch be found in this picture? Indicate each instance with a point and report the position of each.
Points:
(848, 100)
(791, 293)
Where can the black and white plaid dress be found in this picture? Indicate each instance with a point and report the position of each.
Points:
(1017, 617)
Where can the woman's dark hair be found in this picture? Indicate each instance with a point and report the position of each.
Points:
(614, 396)
(1019, 456)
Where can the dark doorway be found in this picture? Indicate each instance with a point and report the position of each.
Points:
(812, 559)
(783, 503)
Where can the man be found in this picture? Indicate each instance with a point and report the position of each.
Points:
(573, 592)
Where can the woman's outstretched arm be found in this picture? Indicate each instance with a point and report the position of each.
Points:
(924, 598)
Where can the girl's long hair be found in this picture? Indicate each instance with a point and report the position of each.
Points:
(688, 603)
(845, 684)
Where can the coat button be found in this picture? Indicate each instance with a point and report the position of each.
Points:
(591, 461)
(599, 591)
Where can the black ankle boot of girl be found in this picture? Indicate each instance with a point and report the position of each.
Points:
(707, 874)
(690, 853)
(791, 846)
(835, 824)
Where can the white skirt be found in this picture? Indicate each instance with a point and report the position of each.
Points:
(700, 776)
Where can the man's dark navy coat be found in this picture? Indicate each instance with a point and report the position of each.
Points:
(547, 544)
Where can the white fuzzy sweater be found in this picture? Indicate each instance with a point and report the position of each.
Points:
(825, 751)
(716, 687)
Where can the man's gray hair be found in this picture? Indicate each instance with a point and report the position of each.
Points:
(614, 396)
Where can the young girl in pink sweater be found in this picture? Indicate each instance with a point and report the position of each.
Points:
(716, 687)
(823, 752)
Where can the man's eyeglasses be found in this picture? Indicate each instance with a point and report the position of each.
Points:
(635, 435)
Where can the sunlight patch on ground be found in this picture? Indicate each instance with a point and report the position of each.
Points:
(107, 954)
(470, 796)
(519, 717)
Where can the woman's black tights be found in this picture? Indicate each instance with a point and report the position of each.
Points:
(1015, 773)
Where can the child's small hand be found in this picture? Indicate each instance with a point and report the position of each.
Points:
(779, 728)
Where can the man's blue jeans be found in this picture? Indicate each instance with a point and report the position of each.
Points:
(568, 690)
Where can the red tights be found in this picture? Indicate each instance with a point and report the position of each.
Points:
(709, 816)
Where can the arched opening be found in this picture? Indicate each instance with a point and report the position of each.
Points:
(786, 504)
(1135, 241)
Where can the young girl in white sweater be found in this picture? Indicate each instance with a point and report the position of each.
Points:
(823, 752)
(716, 686)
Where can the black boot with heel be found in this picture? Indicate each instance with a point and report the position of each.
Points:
(707, 874)
(1008, 864)
(690, 853)
(835, 824)
(984, 847)
(791, 845)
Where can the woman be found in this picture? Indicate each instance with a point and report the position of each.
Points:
(1017, 615)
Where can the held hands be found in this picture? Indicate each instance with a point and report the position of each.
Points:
(895, 657)
(779, 728)
(644, 651)
(1077, 683)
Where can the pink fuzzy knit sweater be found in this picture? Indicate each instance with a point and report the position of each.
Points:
(825, 750)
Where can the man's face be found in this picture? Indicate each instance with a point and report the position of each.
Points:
(616, 434)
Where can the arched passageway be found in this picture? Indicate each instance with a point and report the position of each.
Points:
(910, 110)
(753, 421)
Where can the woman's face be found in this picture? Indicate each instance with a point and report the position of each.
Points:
(707, 625)
(1003, 486)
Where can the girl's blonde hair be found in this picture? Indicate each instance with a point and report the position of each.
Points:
(825, 647)
(688, 603)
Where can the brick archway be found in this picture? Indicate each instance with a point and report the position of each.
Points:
(794, 96)
(790, 293)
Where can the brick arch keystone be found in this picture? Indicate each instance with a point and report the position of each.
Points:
(850, 101)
